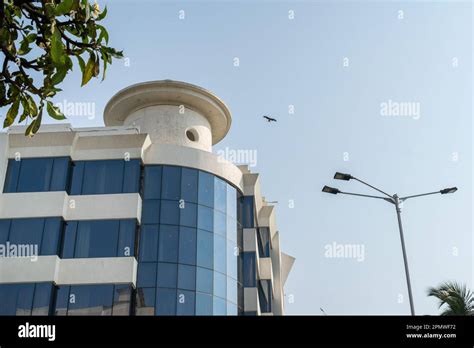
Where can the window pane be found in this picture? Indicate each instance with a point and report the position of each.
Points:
(131, 177)
(186, 277)
(122, 299)
(11, 179)
(69, 240)
(167, 275)
(168, 244)
(169, 212)
(204, 279)
(232, 290)
(220, 223)
(203, 304)
(77, 169)
(150, 211)
(146, 276)
(247, 212)
(231, 201)
(91, 300)
(263, 239)
(4, 230)
(145, 301)
(189, 185)
(149, 243)
(165, 301)
(171, 183)
(204, 249)
(231, 309)
(187, 245)
(16, 299)
(27, 231)
(250, 269)
(219, 253)
(219, 306)
(220, 282)
(62, 300)
(152, 184)
(220, 194)
(35, 175)
(232, 258)
(186, 302)
(231, 229)
(97, 238)
(51, 236)
(60, 175)
(188, 215)
(265, 295)
(42, 299)
(103, 177)
(206, 189)
(205, 218)
(126, 243)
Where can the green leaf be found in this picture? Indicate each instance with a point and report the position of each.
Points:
(35, 125)
(102, 14)
(31, 38)
(88, 70)
(24, 47)
(82, 65)
(57, 48)
(32, 105)
(54, 111)
(103, 34)
(59, 76)
(64, 7)
(12, 113)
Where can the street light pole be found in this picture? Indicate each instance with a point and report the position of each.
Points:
(397, 201)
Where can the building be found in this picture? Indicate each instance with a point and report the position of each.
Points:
(138, 217)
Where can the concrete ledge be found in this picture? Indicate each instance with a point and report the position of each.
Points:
(25, 270)
(107, 270)
(250, 239)
(251, 300)
(265, 268)
(59, 204)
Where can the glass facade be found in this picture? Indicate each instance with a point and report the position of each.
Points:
(37, 174)
(189, 244)
(26, 299)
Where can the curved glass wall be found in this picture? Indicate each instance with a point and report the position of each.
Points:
(190, 244)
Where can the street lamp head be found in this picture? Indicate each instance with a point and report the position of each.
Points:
(332, 190)
(342, 176)
(448, 190)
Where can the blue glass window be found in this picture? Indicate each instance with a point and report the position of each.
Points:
(204, 280)
(167, 275)
(16, 299)
(231, 202)
(247, 211)
(171, 183)
(152, 185)
(219, 283)
(62, 300)
(151, 211)
(187, 245)
(37, 174)
(204, 249)
(168, 244)
(263, 239)
(126, 243)
(232, 256)
(232, 290)
(203, 304)
(149, 243)
(189, 185)
(165, 301)
(188, 215)
(220, 253)
(145, 301)
(97, 238)
(250, 269)
(122, 300)
(26, 231)
(105, 177)
(169, 212)
(220, 223)
(265, 295)
(69, 239)
(206, 189)
(186, 277)
(146, 274)
(51, 236)
(219, 306)
(205, 218)
(91, 299)
(220, 195)
(186, 303)
(43, 299)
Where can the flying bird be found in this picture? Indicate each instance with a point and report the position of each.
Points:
(269, 119)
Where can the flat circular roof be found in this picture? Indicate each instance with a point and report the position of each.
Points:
(169, 92)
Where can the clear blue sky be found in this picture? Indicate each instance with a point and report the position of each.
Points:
(337, 110)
